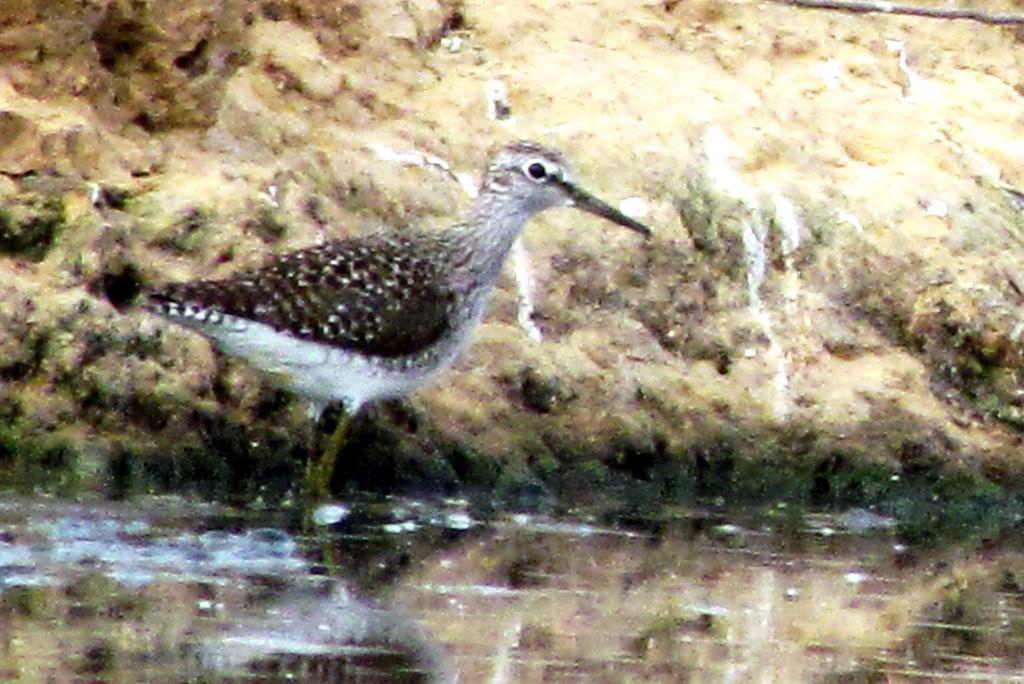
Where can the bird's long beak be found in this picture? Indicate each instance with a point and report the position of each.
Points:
(581, 199)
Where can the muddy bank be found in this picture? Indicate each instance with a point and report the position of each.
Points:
(833, 283)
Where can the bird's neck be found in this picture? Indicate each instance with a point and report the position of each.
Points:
(488, 234)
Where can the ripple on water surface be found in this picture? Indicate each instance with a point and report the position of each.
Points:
(162, 590)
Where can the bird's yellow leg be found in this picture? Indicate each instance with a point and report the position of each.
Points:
(320, 471)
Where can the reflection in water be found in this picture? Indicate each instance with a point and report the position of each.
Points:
(328, 635)
(409, 591)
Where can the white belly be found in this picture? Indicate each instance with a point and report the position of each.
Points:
(318, 372)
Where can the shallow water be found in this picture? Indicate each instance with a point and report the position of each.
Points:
(395, 590)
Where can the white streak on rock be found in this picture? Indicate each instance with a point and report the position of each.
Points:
(717, 149)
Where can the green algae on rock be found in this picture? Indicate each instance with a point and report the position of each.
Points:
(30, 225)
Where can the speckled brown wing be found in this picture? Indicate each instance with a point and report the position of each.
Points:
(379, 296)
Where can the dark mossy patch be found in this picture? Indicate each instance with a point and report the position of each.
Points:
(27, 601)
(980, 362)
(542, 393)
(98, 659)
(196, 61)
(187, 235)
(705, 214)
(931, 507)
(92, 395)
(472, 466)
(30, 224)
(678, 294)
(384, 453)
(644, 459)
(120, 284)
(968, 345)
(519, 489)
(641, 478)
(12, 408)
(267, 225)
(118, 39)
(104, 397)
(29, 465)
(30, 362)
(228, 460)
(149, 409)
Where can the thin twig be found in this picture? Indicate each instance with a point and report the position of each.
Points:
(866, 6)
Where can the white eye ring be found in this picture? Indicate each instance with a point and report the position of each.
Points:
(538, 171)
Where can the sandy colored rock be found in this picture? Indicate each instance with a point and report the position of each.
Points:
(293, 50)
(838, 239)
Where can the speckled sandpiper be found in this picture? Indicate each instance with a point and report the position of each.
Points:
(375, 317)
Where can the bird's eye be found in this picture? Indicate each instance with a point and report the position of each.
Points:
(537, 171)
